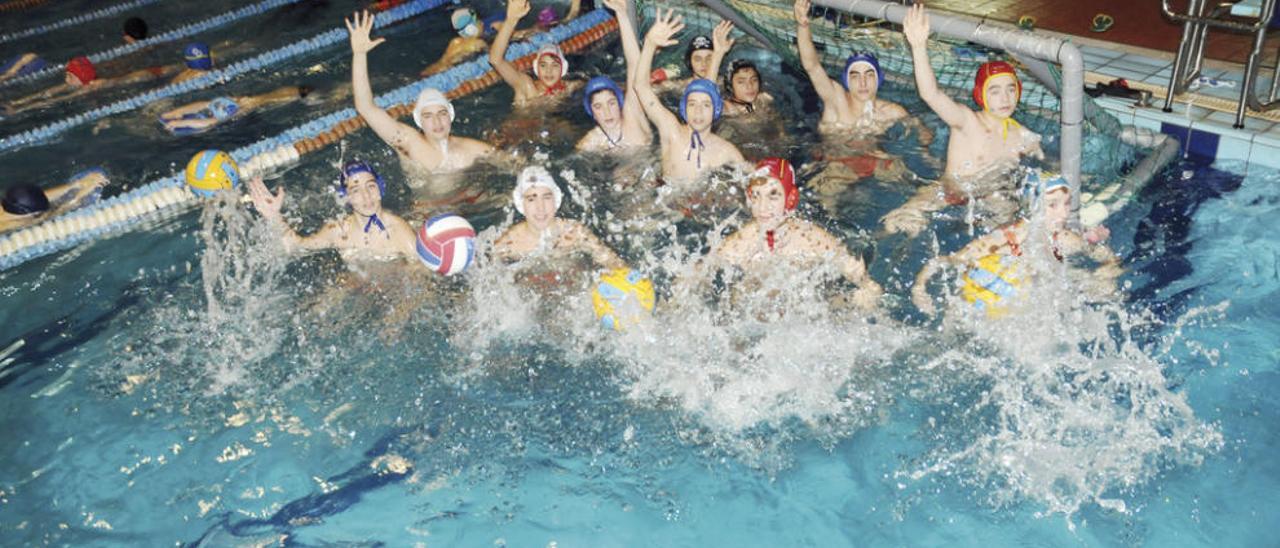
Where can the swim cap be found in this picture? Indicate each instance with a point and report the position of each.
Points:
(734, 67)
(82, 69)
(534, 176)
(465, 22)
(223, 108)
(547, 16)
(866, 58)
(554, 51)
(596, 85)
(988, 71)
(1039, 183)
(197, 56)
(354, 167)
(699, 42)
(702, 85)
(428, 97)
(779, 169)
(135, 28)
(25, 199)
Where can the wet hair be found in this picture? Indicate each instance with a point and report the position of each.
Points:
(24, 199)
(734, 67)
(136, 28)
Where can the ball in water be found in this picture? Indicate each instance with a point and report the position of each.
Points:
(622, 297)
(210, 171)
(447, 244)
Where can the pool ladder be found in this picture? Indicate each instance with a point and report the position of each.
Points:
(1200, 16)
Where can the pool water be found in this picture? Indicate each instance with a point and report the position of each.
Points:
(184, 383)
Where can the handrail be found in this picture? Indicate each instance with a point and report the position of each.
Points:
(1268, 9)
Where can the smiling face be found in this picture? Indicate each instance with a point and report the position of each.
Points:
(746, 85)
(548, 69)
(1057, 208)
(363, 194)
(1002, 95)
(539, 207)
(436, 122)
(700, 111)
(605, 109)
(768, 202)
(863, 82)
(701, 63)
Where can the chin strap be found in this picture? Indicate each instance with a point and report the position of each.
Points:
(695, 143)
(1007, 123)
(374, 220)
(768, 238)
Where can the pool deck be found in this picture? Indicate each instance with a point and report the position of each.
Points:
(1140, 48)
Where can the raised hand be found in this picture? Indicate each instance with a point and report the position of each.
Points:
(359, 25)
(268, 205)
(515, 10)
(916, 26)
(618, 6)
(720, 40)
(664, 29)
(801, 11)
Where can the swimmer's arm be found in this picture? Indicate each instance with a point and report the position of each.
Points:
(268, 205)
(575, 7)
(660, 34)
(387, 128)
(459, 47)
(822, 83)
(189, 108)
(520, 82)
(721, 43)
(43, 97)
(909, 217)
(916, 27)
(68, 196)
(405, 238)
(600, 253)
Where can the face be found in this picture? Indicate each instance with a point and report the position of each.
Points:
(701, 62)
(548, 70)
(435, 121)
(700, 111)
(746, 85)
(1002, 95)
(605, 109)
(363, 195)
(768, 203)
(1057, 208)
(863, 82)
(71, 79)
(539, 206)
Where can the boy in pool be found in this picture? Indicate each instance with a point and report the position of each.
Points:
(774, 234)
(690, 148)
(202, 116)
(981, 143)
(549, 65)
(135, 29)
(81, 78)
(434, 149)
(26, 204)
(472, 30)
(702, 58)
(743, 93)
(368, 233)
(620, 120)
(537, 198)
(991, 261)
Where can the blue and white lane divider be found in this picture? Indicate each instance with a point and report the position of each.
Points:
(73, 21)
(270, 58)
(126, 211)
(175, 34)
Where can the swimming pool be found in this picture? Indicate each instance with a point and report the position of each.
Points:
(168, 393)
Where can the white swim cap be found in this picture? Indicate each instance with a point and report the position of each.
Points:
(428, 97)
(554, 51)
(534, 176)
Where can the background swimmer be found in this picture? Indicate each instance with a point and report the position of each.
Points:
(201, 116)
(367, 233)
(537, 198)
(688, 148)
(472, 31)
(434, 149)
(25, 204)
(620, 120)
(743, 91)
(549, 64)
(81, 78)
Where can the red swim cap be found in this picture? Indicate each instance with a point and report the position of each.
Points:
(82, 69)
(780, 170)
(988, 71)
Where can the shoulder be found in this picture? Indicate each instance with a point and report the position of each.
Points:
(891, 109)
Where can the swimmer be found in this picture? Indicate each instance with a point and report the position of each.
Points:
(202, 116)
(433, 149)
(549, 65)
(743, 93)
(688, 148)
(702, 58)
(472, 30)
(368, 233)
(981, 142)
(21, 65)
(26, 204)
(620, 120)
(991, 260)
(775, 234)
(199, 61)
(851, 103)
(82, 78)
(135, 30)
(543, 233)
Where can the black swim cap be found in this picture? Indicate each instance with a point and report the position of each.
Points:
(304, 91)
(25, 199)
(136, 28)
(699, 42)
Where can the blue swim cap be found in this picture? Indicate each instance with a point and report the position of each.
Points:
(223, 108)
(702, 85)
(353, 167)
(596, 85)
(862, 57)
(1038, 183)
(197, 56)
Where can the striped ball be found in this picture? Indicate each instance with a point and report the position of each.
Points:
(210, 171)
(447, 244)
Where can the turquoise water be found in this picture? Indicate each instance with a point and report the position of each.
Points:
(164, 393)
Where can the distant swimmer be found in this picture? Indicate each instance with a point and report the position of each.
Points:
(472, 32)
(775, 236)
(433, 149)
(26, 204)
(619, 118)
(689, 148)
(549, 65)
(983, 145)
(201, 116)
(994, 267)
(368, 233)
(702, 59)
(544, 234)
(135, 29)
(851, 104)
(198, 59)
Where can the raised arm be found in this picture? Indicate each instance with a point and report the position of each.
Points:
(520, 82)
(600, 253)
(632, 112)
(268, 205)
(916, 28)
(386, 127)
(575, 7)
(721, 43)
(660, 34)
(827, 89)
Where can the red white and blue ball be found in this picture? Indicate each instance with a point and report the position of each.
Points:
(447, 244)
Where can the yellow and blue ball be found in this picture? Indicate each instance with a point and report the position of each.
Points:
(991, 283)
(622, 297)
(210, 171)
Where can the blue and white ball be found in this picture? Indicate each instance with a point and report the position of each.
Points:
(447, 244)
